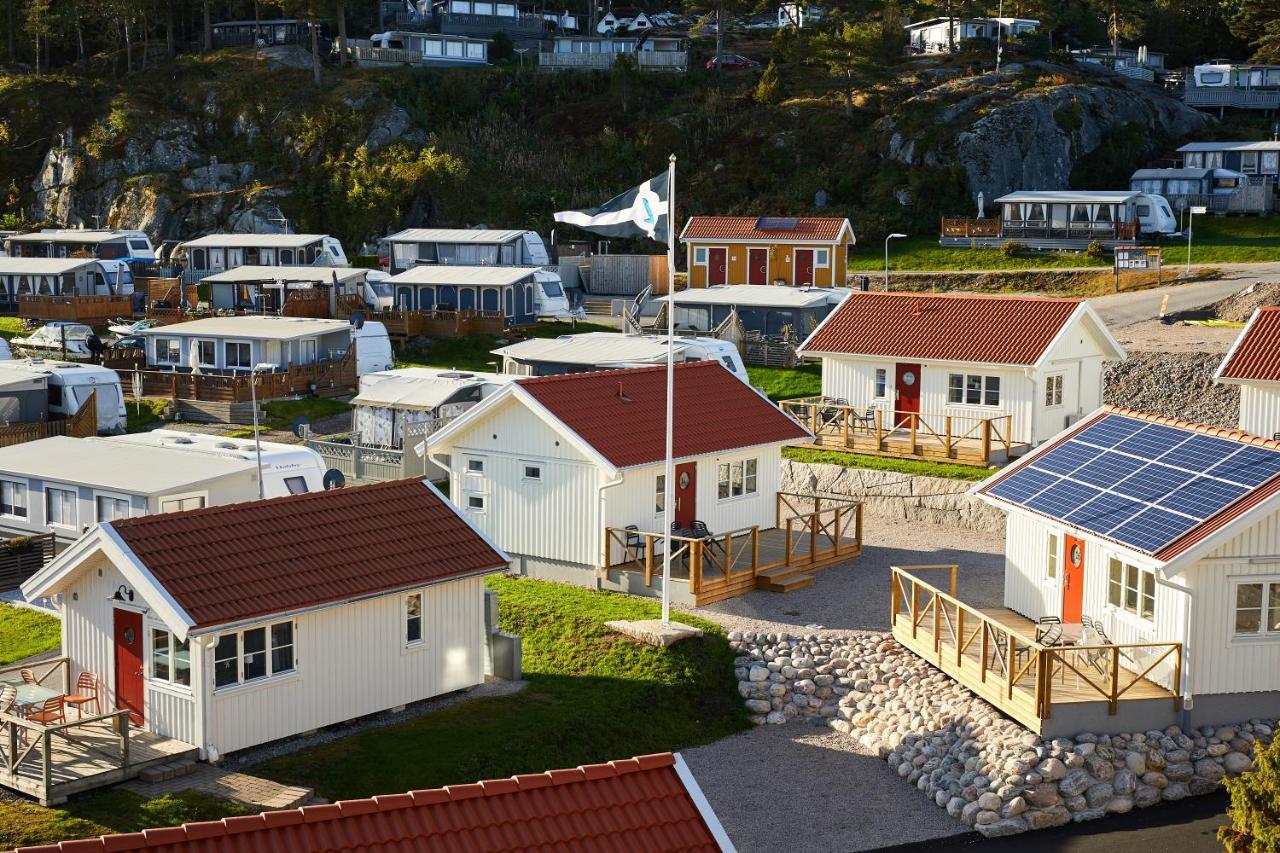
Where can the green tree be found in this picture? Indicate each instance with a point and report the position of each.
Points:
(41, 25)
(725, 11)
(861, 55)
(1258, 23)
(1255, 806)
(769, 87)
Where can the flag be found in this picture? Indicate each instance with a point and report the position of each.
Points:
(638, 212)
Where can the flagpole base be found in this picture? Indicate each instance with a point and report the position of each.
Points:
(655, 632)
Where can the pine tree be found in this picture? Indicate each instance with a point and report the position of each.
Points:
(1258, 23)
(769, 87)
(1255, 805)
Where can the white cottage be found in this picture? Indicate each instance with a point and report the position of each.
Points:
(226, 641)
(1160, 536)
(1015, 369)
(548, 464)
(1253, 364)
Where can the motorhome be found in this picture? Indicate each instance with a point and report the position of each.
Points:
(214, 253)
(104, 244)
(442, 50)
(1224, 84)
(611, 351)
(69, 385)
(27, 276)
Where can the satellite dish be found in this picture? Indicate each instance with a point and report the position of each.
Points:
(298, 423)
(357, 319)
(334, 479)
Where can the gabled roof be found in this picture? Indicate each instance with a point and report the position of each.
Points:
(1256, 353)
(795, 229)
(971, 328)
(252, 560)
(1160, 487)
(650, 803)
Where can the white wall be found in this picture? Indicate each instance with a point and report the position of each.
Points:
(1260, 408)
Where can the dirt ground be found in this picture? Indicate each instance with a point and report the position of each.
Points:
(1153, 335)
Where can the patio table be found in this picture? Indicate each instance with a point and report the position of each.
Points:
(29, 695)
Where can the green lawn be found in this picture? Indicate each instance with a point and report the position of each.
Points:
(25, 632)
(144, 416)
(970, 473)
(1228, 240)
(24, 823)
(592, 696)
(475, 352)
(280, 414)
(10, 326)
(783, 383)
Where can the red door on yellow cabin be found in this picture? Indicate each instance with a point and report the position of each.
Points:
(717, 266)
(757, 266)
(804, 268)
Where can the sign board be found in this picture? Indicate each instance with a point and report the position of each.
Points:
(1199, 209)
(1137, 258)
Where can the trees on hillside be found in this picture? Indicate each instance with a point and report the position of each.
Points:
(860, 55)
(1258, 23)
(1255, 804)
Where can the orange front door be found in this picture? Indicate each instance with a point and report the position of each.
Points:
(717, 266)
(1073, 581)
(907, 384)
(804, 268)
(757, 266)
(128, 642)
(686, 494)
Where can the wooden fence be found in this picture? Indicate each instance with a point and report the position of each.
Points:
(323, 379)
(90, 310)
(23, 556)
(996, 228)
(404, 325)
(82, 424)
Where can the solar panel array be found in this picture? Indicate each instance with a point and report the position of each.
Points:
(777, 223)
(1139, 483)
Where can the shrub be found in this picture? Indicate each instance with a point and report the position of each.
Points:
(1012, 249)
(1069, 117)
(501, 47)
(1096, 250)
(1255, 806)
(769, 88)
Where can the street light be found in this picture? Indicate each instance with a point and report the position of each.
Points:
(1191, 216)
(894, 236)
(257, 439)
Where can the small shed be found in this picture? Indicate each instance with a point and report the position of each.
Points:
(502, 291)
(798, 251)
(1253, 365)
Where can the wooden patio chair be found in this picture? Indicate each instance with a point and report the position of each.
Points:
(86, 692)
(51, 712)
(28, 677)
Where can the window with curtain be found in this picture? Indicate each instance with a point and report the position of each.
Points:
(1131, 589)
(60, 507)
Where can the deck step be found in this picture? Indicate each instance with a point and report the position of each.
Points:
(168, 770)
(784, 584)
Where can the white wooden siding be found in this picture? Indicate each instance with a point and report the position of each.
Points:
(172, 714)
(1025, 587)
(1260, 408)
(352, 661)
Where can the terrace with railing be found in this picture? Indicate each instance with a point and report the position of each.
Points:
(1232, 96)
(955, 231)
(1050, 687)
(646, 60)
(90, 310)
(82, 424)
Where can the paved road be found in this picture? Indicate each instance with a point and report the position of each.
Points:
(1123, 309)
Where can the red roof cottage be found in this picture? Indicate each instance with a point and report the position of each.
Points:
(966, 377)
(231, 626)
(1254, 365)
(797, 251)
(566, 474)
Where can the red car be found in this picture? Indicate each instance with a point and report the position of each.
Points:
(731, 61)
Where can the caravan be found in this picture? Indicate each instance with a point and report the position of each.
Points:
(70, 384)
(611, 351)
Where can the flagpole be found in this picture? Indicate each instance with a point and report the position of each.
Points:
(668, 476)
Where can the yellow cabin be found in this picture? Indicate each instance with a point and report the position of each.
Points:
(796, 251)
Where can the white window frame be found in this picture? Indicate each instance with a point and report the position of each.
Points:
(821, 258)
(226, 361)
(701, 256)
(200, 342)
(880, 383)
(659, 494)
(171, 648)
(985, 388)
(1262, 635)
(477, 502)
(49, 492)
(155, 348)
(183, 497)
(17, 488)
(747, 469)
(128, 504)
(1053, 388)
(474, 472)
(405, 616)
(1130, 571)
(1053, 558)
(271, 677)
(525, 466)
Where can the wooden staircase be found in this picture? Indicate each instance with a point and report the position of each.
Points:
(785, 578)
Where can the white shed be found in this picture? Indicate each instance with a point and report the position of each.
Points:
(1162, 535)
(227, 640)
(1253, 364)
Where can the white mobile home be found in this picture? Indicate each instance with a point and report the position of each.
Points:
(547, 465)
(507, 247)
(392, 403)
(940, 35)
(1004, 370)
(1253, 364)
(511, 292)
(610, 351)
(103, 244)
(60, 277)
(1159, 536)
(268, 288)
(208, 626)
(217, 252)
(436, 50)
(1066, 219)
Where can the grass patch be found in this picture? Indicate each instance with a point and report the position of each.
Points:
(475, 352)
(1229, 240)
(787, 383)
(592, 696)
(23, 823)
(915, 467)
(25, 632)
(10, 327)
(922, 252)
(144, 416)
(280, 414)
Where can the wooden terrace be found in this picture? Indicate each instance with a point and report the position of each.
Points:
(997, 654)
(51, 762)
(90, 310)
(331, 378)
(906, 435)
(813, 532)
(963, 232)
(405, 325)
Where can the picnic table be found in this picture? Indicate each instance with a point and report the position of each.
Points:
(29, 694)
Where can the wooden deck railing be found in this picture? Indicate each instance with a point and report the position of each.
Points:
(90, 310)
(54, 673)
(952, 227)
(963, 438)
(82, 424)
(325, 378)
(407, 324)
(1014, 671)
(24, 742)
(821, 521)
(996, 228)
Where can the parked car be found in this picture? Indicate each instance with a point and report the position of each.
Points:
(731, 61)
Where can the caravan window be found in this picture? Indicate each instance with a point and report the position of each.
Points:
(13, 499)
(111, 509)
(1036, 214)
(1195, 159)
(1249, 162)
(181, 504)
(1144, 210)
(296, 485)
(60, 507)
(206, 352)
(1104, 213)
(139, 246)
(1079, 213)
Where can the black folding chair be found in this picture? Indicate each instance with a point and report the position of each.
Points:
(700, 531)
(633, 544)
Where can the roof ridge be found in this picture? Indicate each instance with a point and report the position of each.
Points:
(620, 373)
(1227, 433)
(1024, 297)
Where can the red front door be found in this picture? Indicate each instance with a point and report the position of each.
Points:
(804, 267)
(128, 638)
(757, 266)
(1073, 581)
(717, 266)
(907, 384)
(686, 494)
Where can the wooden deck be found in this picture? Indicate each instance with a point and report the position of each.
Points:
(994, 653)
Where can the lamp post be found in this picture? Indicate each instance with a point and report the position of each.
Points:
(1191, 217)
(894, 236)
(257, 439)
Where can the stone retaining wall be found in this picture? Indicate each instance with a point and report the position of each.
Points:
(936, 500)
(984, 769)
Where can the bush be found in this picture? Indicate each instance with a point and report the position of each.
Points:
(1255, 806)
(1096, 250)
(769, 88)
(501, 47)
(1012, 249)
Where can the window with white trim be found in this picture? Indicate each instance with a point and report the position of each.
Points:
(736, 479)
(181, 504)
(1054, 558)
(60, 507)
(13, 499)
(475, 466)
(238, 354)
(530, 471)
(207, 353)
(1257, 608)
(475, 503)
(821, 258)
(1053, 390)
(1131, 589)
(170, 658)
(700, 255)
(110, 508)
(413, 618)
(254, 654)
(973, 390)
(168, 351)
(882, 382)
(660, 494)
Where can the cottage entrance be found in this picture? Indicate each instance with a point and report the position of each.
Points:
(717, 266)
(128, 654)
(757, 266)
(686, 494)
(1073, 581)
(907, 386)
(804, 268)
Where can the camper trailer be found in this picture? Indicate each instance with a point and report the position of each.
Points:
(27, 276)
(1224, 84)
(106, 245)
(267, 289)
(1066, 219)
(611, 351)
(69, 385)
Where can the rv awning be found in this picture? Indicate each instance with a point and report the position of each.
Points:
(1070, 196)
(292, 275)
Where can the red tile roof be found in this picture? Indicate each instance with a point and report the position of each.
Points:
(944, 327)
(241, 561)
(1256, 354)
(640, 804)
(622, 413)
(807, 228)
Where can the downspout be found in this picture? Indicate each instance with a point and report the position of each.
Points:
(599, 531)
(1031, 373)
(204, 697)
(1187, 702)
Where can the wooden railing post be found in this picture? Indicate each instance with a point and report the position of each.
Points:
(728, 554)
(986, 440)
(895, 597)
(879, 428)
(982, 672)
(755, 548)
(960, 633)
(1113, 699)
(858, 524)
(12, 757)
(648, 561)
(937, 624)
(786, 556)
(914, 421)
(124, 741)
(947, 420)
(46, 768)
(954, 569)
(837, 536)
(915, 606)
(844, 411)
(1009, 668)
(695, 566)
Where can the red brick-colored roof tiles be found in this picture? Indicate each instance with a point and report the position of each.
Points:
(640, 804)
(1256, 354)
(756, 228)
(246, 560)
(622, 413)
(1014, 330)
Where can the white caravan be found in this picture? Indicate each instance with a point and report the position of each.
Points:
(71, 383)
(612, 351)
(287, 469)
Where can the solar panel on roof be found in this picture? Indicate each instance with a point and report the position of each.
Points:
(1024, 485)
(1203, 496)
(1107, 469)
(1200, 452)
(1153, 528)
(1152, 441)
(1109, 431)
(777, 223)
(1065, 458)
(1152, 482)
(1062, 497)
(1105, 512)
(1251, 466)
